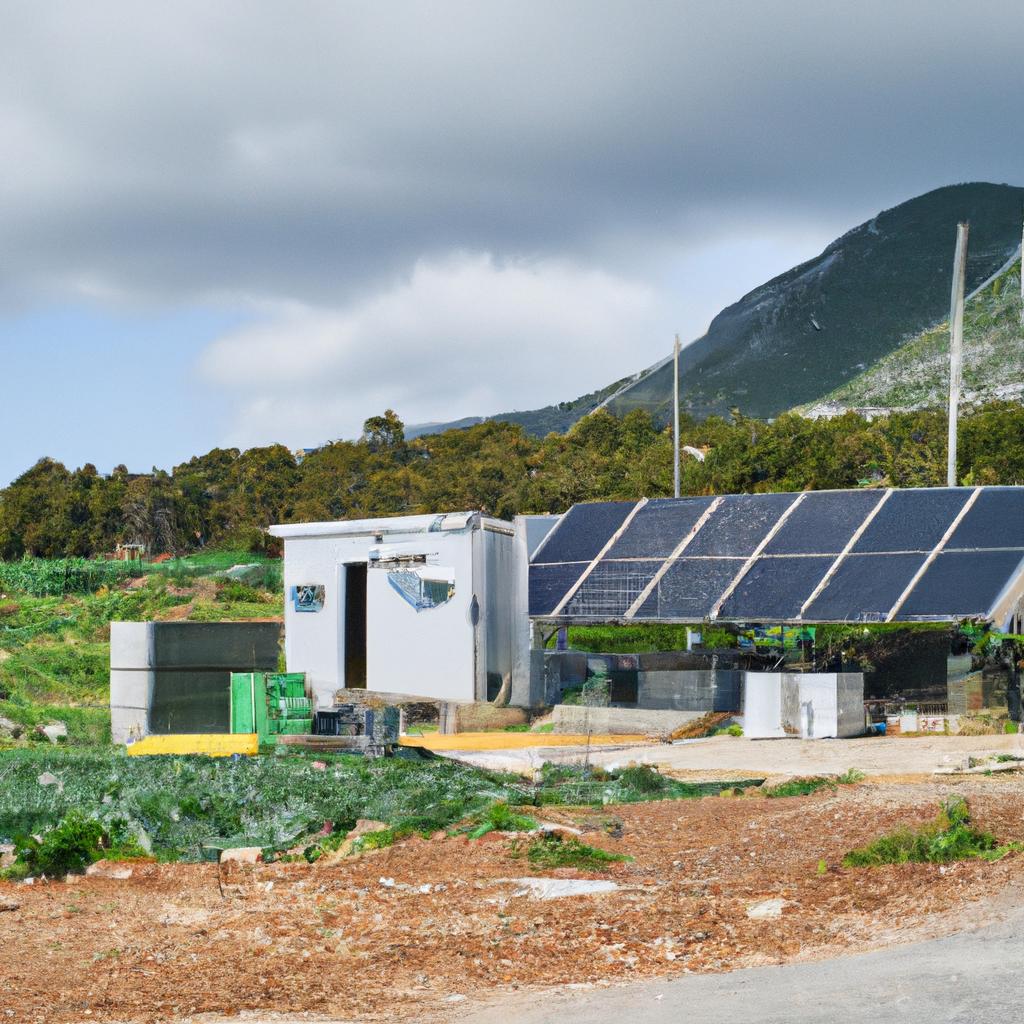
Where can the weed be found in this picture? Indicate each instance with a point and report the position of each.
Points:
(851, 777)
(499, 817)
(950, 837)
(68, 848)
(800, 787)
(643, 778)
(732, 730)
(552, 851)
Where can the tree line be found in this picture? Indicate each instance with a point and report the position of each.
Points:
(228, 497)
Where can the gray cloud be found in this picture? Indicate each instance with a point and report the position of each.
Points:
(316, 153)
(298, 151)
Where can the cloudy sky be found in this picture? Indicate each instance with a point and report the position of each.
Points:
(233, 223)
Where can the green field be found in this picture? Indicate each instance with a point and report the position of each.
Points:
(55, 629)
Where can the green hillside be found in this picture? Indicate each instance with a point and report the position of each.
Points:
(916, 375)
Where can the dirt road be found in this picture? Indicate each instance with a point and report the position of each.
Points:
(875, 755)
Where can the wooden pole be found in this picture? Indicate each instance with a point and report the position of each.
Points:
(675, 417)
(956, 347)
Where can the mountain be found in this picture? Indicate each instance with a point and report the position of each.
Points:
(916, 375)
(807, 332)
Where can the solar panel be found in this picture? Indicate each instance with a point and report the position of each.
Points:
(739, 524)
(823, 522)
(995, 520)
(690, 588)
(584, 531)
(913, 520)
(961, 584)
(550, 583)
(656, 530)
(864, 588)
(775, 588)
(899, 535)
(610, 590)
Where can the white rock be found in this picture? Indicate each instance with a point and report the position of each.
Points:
(49, 779)
(242, 855)
(109, 869)
(55, 732)
(558, 888)
(766, 910)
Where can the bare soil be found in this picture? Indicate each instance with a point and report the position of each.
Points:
(431, 926)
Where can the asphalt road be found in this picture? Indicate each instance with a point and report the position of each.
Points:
(969, 978)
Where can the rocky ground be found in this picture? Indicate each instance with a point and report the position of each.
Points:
(430, 927)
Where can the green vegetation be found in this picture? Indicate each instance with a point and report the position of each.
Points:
(183, 806)
(729, 730)
(950, 837)
(554, 851)
(813, 783)
(71, 846)
(917, 373)
(499, 817)
(55, 650)
(226, 498)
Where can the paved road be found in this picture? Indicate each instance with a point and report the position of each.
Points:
(970, 978)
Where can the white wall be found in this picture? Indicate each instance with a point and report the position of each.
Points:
(762, 705)
(426, 653)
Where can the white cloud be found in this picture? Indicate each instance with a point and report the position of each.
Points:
(467, 335)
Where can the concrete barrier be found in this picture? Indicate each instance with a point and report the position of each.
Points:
(573, 718)
(174, 677)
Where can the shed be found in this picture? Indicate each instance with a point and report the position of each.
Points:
(423, 606)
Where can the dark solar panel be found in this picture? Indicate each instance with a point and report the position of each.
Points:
(610, 590)
(913, 520)
(739, 524)
(864, 588)
(995, 520)
(961, 584)
(656, 530)
(584, 530)
(690, 588)
(775, 588)
(550, 583)
(823, 522)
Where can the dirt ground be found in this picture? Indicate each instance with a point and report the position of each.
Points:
(430, 927)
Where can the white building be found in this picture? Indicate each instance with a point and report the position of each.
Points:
(431, 606)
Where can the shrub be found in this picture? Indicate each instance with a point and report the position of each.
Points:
(499, 817)
(552, 851)
(950, 837)
(643, 778)
(68, 848)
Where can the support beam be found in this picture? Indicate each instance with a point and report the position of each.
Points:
(956, 347)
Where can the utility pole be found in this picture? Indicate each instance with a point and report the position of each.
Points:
(956, 346)
(675, 416)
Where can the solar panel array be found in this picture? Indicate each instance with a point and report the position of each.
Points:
(816, 556)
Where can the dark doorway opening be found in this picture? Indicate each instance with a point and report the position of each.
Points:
(355, 626)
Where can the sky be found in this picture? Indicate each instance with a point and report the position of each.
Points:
(236, 223)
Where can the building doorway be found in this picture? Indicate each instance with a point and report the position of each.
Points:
(355, 626)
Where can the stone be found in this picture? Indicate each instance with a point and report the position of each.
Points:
(10, 728)
(766, 910)
(559, 888)
(49, 779)
(54, 732)
(109, 869)
(242, 855)
(365, 826)
(8, 905)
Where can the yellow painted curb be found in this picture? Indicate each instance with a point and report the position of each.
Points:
(512, 740)
(211, 744)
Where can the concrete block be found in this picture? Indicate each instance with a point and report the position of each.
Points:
(573, 719)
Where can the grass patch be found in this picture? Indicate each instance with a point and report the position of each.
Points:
(813, 783)
(500, 817)
(554, 851)
(949, 838)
